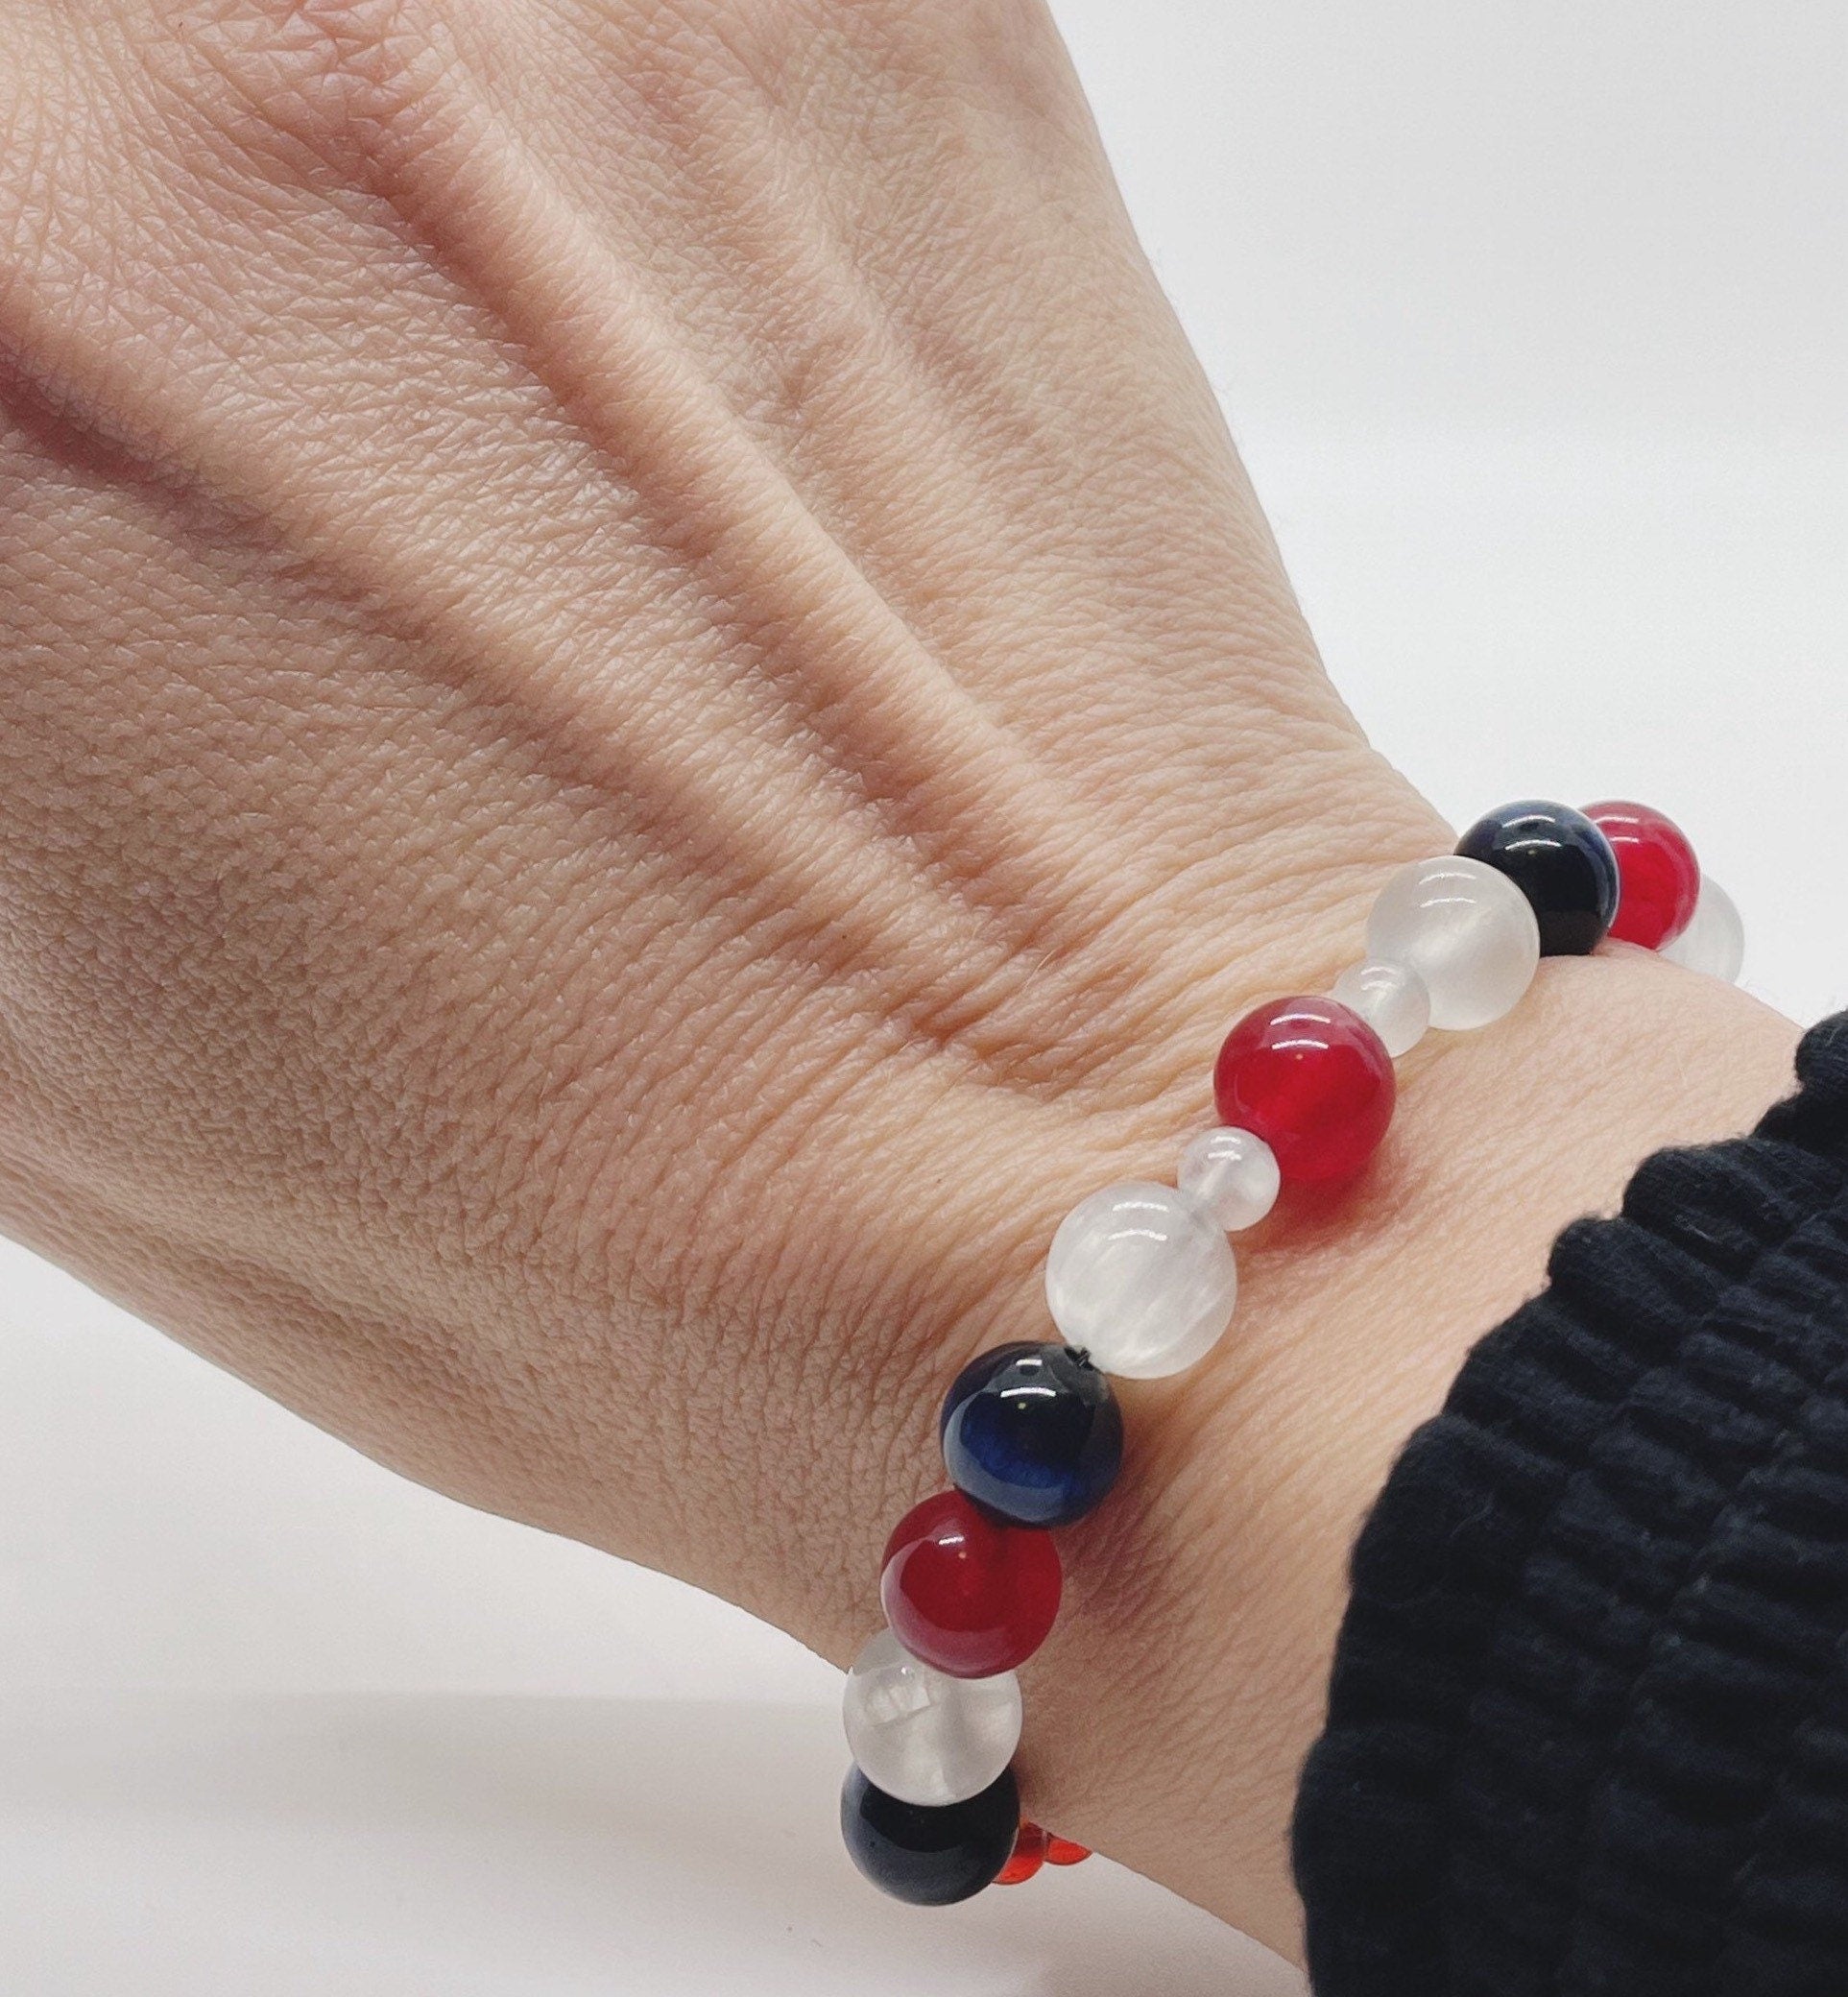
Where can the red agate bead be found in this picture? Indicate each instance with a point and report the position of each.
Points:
(1659, 875)
(1062, 1851)
(1029, 1854)
(966, 1593)
(1313, 1080)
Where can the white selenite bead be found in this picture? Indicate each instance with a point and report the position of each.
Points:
(1233, 1173)
(1391, 997)
(1714, 941)
(1142, 1277)
(1468, 931)
(923, 1736)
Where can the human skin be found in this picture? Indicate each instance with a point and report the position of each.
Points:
(644, 719)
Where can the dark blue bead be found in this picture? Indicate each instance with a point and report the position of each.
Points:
(1033, 1433)
(1560, 860)
(931, 1858)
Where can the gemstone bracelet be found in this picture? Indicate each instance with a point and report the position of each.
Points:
(1140, 1281)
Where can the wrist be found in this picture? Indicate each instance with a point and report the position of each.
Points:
(1173, 1709)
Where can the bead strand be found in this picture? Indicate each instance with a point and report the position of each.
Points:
(1141, 1283)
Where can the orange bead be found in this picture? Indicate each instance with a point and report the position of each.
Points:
(1062, 1851)
(1029, 1854)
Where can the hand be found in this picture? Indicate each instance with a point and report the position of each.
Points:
(645, 720)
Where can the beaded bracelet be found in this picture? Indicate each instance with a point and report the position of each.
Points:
(1140, 1281)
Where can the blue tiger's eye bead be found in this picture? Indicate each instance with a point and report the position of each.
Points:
(1032, 1432)
(931, 1857)
(1559, 859)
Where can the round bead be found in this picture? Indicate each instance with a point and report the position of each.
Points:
(966, 1593)
(1029, 1854)
(1467, 932)
(1313, 1080)
(1392, 999)
(1141, 1279)
(1660, 874)
(1234, 1174)
(931, 1858)
(923, 1736)
(1033, 1433)
(1561, 862)
(1714, 941)
(1062, 1851)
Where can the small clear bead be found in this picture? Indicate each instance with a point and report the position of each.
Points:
(1715, 940)
(1142, 1277)
(1392, 999)
(1466, 929)
(923, 1736)
(1233, 1173)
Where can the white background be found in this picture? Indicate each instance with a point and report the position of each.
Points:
(1530, 321)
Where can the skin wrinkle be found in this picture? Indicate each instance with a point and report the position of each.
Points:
(404, 172)
(961, 758)
(907, 789)
(855, 396)
(973, 1004)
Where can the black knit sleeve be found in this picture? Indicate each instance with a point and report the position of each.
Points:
(1588, 1722)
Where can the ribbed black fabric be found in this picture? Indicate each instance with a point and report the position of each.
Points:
(1588, 1722)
